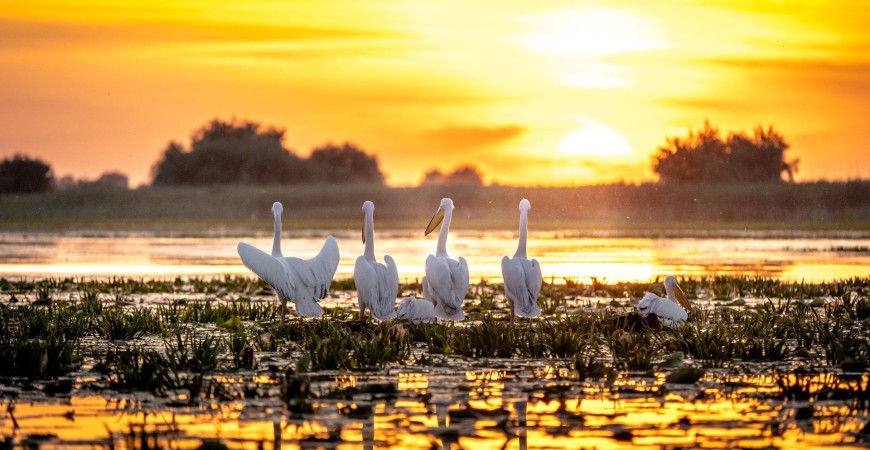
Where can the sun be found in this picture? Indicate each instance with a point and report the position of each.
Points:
(595, 139)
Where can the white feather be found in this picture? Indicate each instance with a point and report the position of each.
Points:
(377, 284)
(446, 280)
(666, 309)
(522, 276)
(303, 282)
(416, 310)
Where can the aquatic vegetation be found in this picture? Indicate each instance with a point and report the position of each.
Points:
(199, 352)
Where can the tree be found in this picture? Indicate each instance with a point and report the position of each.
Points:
(703, 156)
(230, 153)
(466, 175)
(23, 175)
(345, 163)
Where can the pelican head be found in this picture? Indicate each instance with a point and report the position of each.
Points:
(277, 208)
(445, 207)
(525, 205)
(644, 306)
(676, 293)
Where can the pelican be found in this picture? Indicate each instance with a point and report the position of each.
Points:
(522, 276)
(377, 285)
(303, 282)
(446, 280)
(672, 310)
(416, 310)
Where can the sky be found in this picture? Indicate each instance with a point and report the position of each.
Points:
(549, 92)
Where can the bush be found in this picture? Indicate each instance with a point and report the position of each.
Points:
(23, 175)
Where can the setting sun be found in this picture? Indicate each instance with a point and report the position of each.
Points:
(426, 85)
(594, 139)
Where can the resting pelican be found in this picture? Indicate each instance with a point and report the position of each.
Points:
(416, 310)
(303, 282)
(377, 285)
(522, 276)
(446, 280)
(672, 310)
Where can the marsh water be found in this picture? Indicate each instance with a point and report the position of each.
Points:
(443, 401)
(605, 255)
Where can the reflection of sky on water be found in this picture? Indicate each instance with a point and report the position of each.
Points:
(798, 255)
(480, 408)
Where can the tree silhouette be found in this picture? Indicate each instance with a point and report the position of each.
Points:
(23, 175)
(343, 164)
(230, 153)
(703, 156)
(467, 175)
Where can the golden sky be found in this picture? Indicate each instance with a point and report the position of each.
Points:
(532, 92)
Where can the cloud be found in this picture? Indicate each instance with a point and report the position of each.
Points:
(473, 136)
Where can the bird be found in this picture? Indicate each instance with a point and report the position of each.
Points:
(522, 276)
(446, 281)
(377, 284)
(416, 310)
(672, 310)
(302, 281)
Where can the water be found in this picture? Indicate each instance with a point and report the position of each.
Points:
(608, 256)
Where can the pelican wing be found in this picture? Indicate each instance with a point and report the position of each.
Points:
(534, 278)
(459, 270)
(444, 283)
(522, 282)
(271, 269)
(316, 273)
(416, 310)
(388, 283)
(366, 281)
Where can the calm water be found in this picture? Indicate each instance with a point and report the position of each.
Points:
(787, 255)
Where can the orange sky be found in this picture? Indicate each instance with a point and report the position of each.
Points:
(543, 92)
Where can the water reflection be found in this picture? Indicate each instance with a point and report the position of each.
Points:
(794, 256)
(723, 410)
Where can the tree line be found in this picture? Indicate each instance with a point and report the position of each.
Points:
(248, 153)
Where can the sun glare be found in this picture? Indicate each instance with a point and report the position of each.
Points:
(595, 139)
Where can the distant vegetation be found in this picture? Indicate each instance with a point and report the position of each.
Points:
(466, 175)
(24, 175)
(704, 156)
(647, 208)
(247, 153)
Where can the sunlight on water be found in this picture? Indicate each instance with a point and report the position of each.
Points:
(794, 257)
(712, 414)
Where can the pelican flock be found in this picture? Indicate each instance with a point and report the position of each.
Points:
(672, 310)
(377, 284)
(446, 280)
(302, 281)
(445, 284)
(522, 276)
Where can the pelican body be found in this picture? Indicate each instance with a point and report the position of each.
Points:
(416, 310)
(446, 280)
(672, 310)
(522, 276)
(377, 284)
(301, 281)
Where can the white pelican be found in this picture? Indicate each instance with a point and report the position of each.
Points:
(671, 310)
(416, 310)
(377, 285)
(446, 280)
(522, 276)
(303, 282)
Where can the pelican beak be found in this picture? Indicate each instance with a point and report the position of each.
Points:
(364, 233)
(435, 221)
(681, 298)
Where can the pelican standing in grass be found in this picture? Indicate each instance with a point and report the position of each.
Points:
(522, 276)
(377, 285)
(302, 281)
(446, 280)
(416, 310)
(672, 310)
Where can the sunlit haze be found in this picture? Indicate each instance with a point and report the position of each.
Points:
(533, 93)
